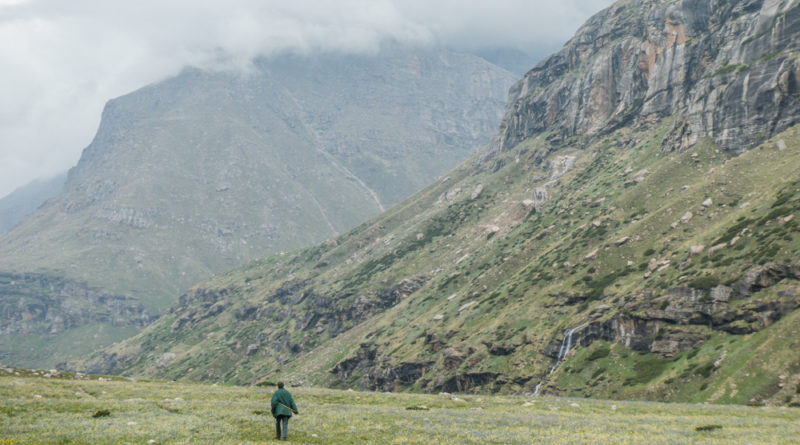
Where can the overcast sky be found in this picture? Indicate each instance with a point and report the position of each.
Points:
(61, 60)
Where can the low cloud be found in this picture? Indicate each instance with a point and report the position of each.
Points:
(62, 60)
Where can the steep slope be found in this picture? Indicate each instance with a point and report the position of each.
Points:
(24, 200)
(611, 247)
(207, 170)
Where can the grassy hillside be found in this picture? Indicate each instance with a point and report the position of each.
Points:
(69, 409)
(471, 285)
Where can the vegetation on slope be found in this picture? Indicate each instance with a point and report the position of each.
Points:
(471, 285)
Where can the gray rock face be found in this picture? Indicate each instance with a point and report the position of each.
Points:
(728, 69)
(38, 303)
(662, 324)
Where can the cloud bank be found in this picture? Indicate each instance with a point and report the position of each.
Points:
(62, 60)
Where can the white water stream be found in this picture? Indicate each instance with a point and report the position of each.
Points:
(566, 345)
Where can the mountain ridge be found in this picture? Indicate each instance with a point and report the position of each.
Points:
(24, 200)
(640, 232)
(203, 171)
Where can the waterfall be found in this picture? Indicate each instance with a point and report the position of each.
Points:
(566, 345)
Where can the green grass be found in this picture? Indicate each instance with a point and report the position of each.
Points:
(65, 410)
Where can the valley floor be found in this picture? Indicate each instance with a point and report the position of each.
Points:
(38, 407)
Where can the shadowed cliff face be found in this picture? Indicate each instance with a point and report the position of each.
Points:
(729, 68)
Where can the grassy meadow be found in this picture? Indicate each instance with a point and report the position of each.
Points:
(60, 410)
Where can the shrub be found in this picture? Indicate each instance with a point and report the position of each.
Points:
(705, 370)
(647, 369)
(101, 413)
(704, 282)
(418, 408)
(601, 352)
(708, 427)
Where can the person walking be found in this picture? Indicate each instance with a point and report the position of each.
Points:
(282, 409)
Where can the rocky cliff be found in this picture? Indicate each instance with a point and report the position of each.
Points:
(45, 317)
(727, 68)
(611, 242)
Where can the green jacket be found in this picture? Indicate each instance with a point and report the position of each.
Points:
(280, 400)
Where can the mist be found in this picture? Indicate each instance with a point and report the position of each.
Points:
(62, 60)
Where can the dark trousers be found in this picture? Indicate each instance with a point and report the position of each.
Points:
(281, 420)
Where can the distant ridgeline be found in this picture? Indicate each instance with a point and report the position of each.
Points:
(24, 200)
(207, 170)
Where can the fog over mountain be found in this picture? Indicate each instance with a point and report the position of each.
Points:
(63, 60)
(26, 199)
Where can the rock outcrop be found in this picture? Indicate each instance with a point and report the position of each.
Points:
(662, 323)
(728, 69)
(43, 304)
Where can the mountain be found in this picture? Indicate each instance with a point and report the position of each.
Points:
(513, 59)
(631, 232)
(24, 200)
(210, 169)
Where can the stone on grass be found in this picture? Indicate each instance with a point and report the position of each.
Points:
(477, 191)
(696, 250)
(165, 358)
(716, 249)
(598, 202)
(466, 306)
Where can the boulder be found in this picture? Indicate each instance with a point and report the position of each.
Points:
(696, 250)
(452, 358)
(717, 248)
(165, 358)
(598, 202)
(477, 191)
(466, 306)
